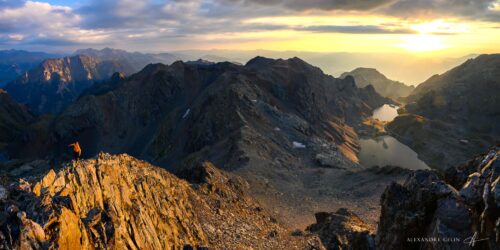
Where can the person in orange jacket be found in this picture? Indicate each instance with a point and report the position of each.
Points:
(77, 150)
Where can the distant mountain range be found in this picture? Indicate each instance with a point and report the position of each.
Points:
(53, 97)
(14, 63)
(55, 83)
(383, 85)
(135, 61)
(408, 68)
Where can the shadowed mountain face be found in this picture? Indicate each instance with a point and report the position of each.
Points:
(14, 118)
(455, 115)
(55, 83)
(464, 91)
(383, 85)
(13, 63)
(183, 109)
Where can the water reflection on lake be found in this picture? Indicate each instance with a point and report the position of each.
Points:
(386, 150)
(386, 113)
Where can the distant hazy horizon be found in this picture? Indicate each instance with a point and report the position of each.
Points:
(407, 68)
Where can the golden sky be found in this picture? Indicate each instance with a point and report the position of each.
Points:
(423, 36)
(420, 27)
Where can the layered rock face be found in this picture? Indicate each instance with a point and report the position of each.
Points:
(14, 119)
(454, 209)
(55, 83)
(383, 85)
(459, 110)
(118, 202)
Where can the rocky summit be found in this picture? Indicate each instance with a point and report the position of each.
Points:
(118, 202)
(383, 85)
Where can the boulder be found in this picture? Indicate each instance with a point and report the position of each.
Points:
(342, 230)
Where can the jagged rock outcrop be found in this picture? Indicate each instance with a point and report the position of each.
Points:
(342, 230)
(118, 202)
(427, 212)
(461, 111)
(56, 83)
(383, 85)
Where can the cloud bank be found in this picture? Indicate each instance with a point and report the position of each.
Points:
(34, 24)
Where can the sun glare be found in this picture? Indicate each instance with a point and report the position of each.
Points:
(439, 27)
(422, 43)
(429, 35)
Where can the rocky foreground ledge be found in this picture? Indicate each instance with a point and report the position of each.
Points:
(119, 202)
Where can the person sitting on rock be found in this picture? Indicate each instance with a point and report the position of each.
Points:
(77, 151)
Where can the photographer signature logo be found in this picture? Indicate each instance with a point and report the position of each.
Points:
(471, 241)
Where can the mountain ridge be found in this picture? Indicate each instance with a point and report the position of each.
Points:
(13, 63)
(384, 86)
